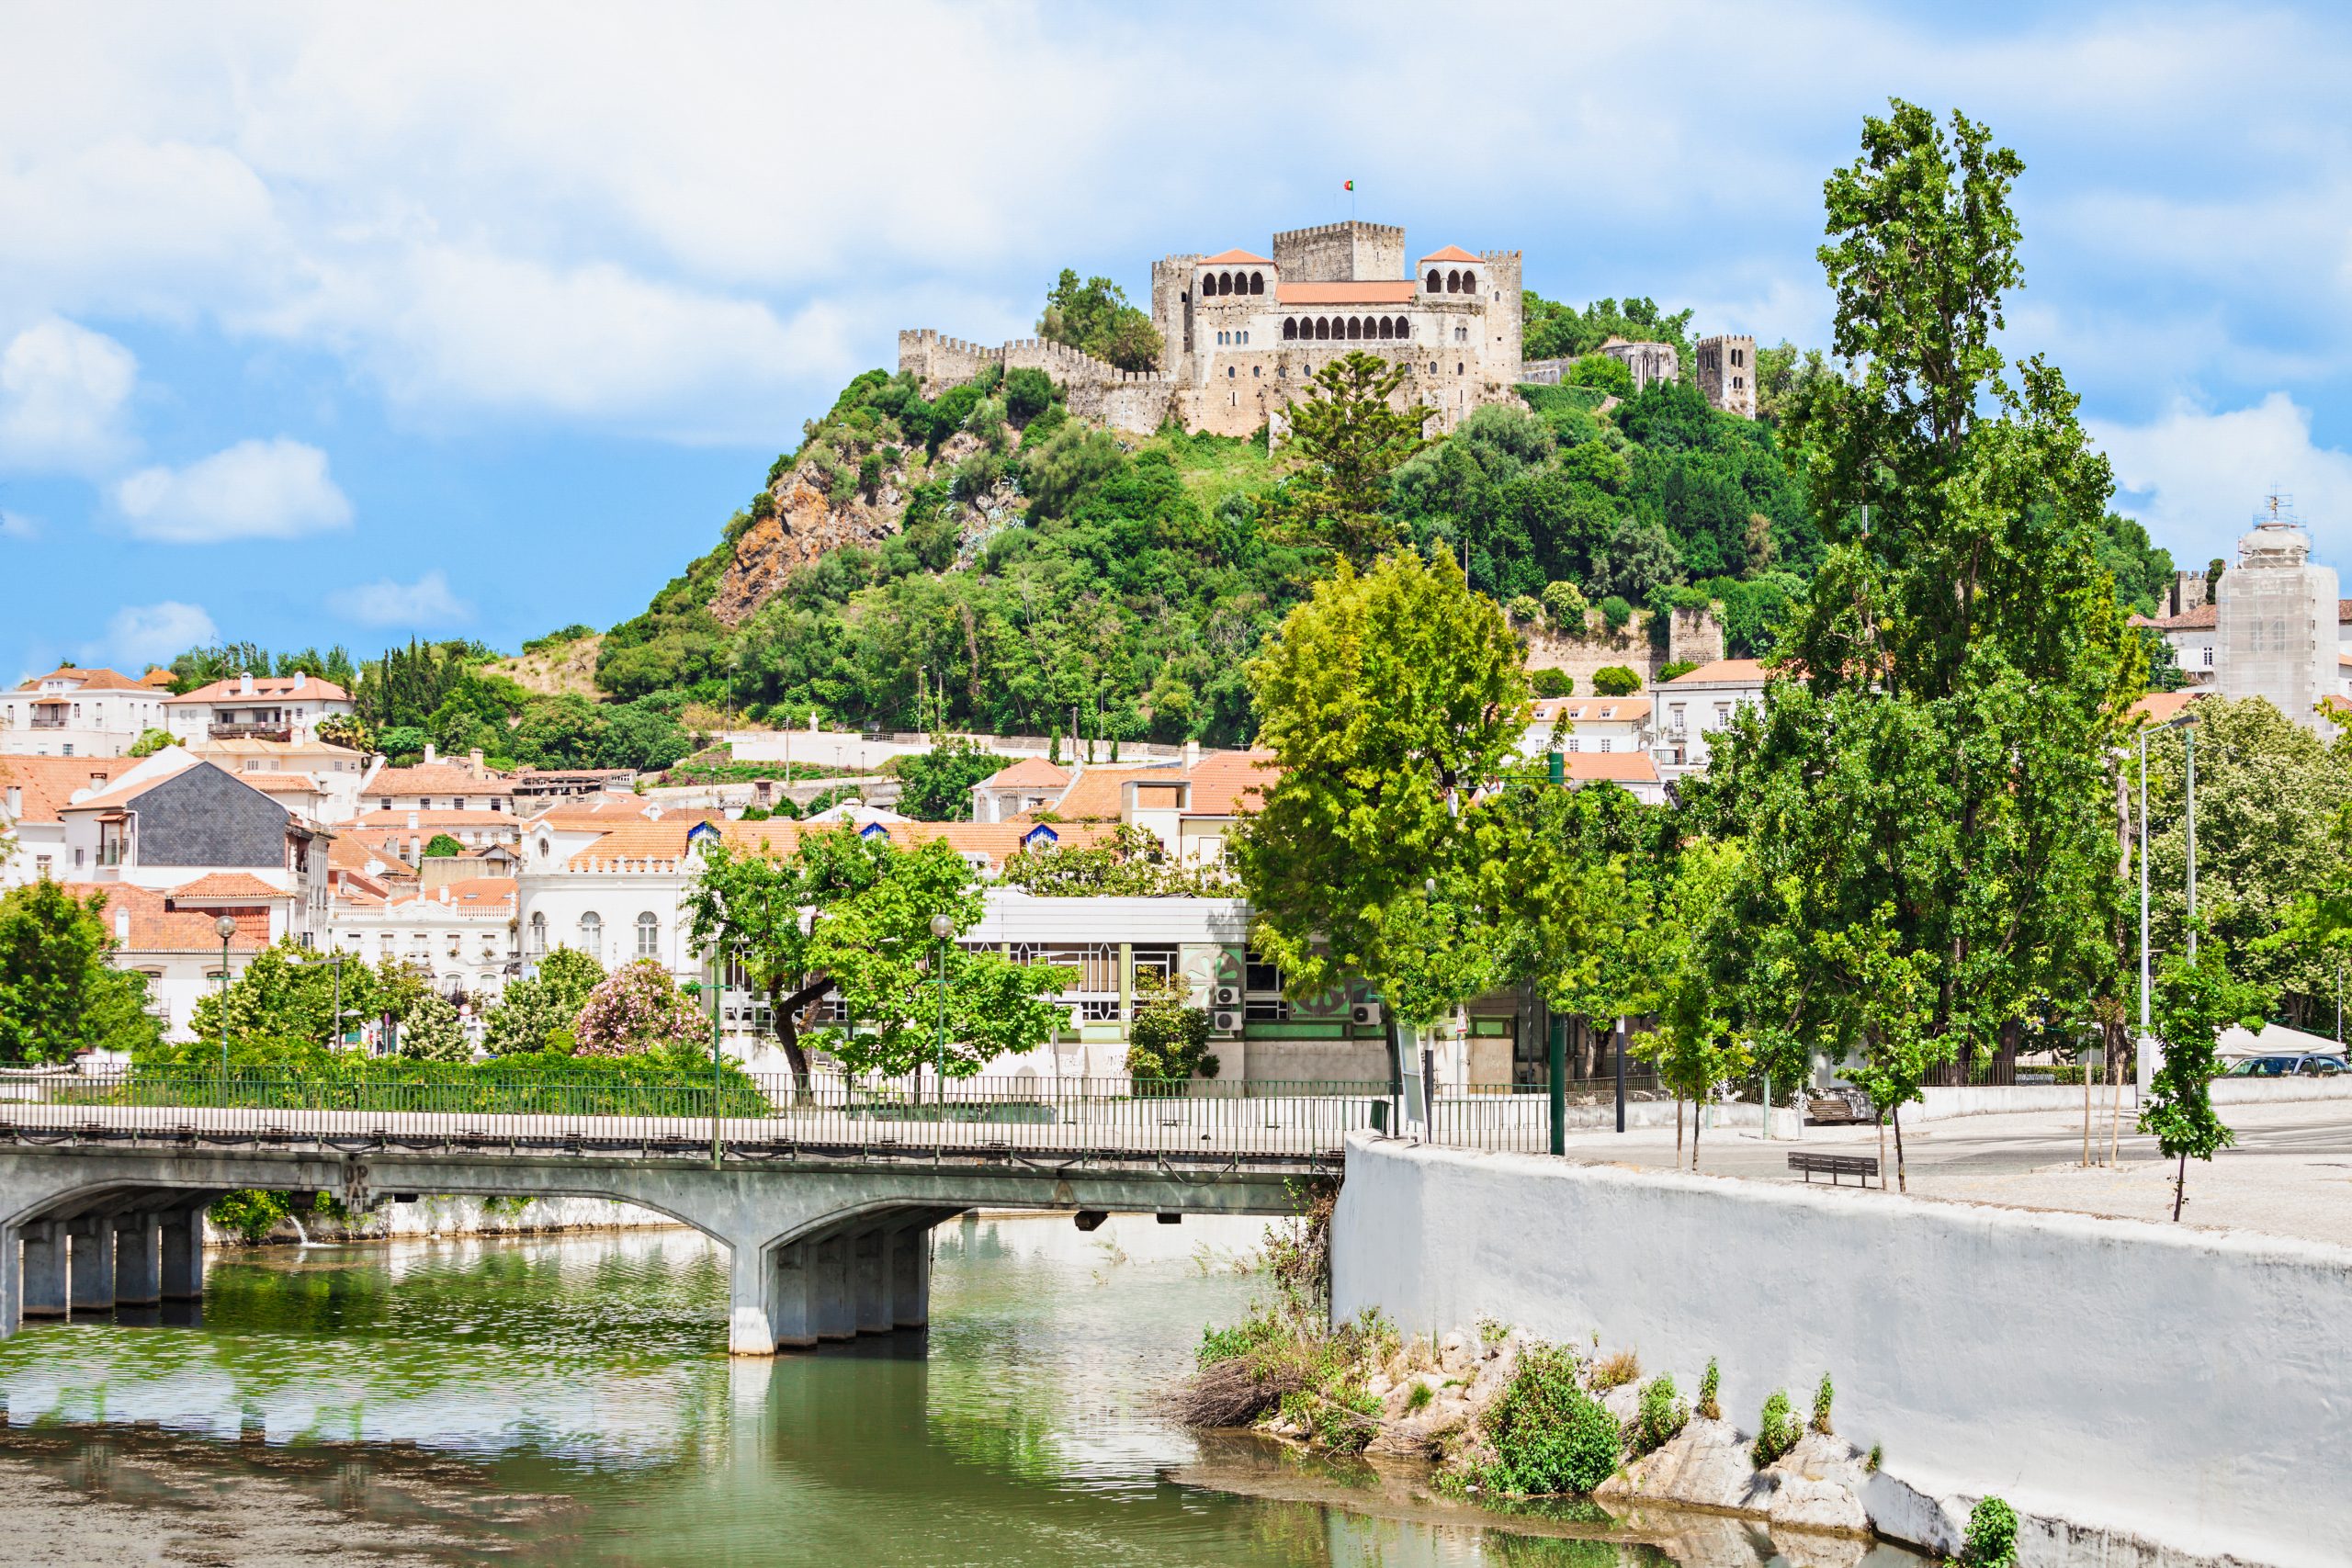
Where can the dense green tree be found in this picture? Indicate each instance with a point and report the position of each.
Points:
(59, 996)
(936, 785)
(1347, 437)
(1551, 330)
(151, 741)
(441, 846)
(433, 1032)
(542, 1013)
(640, 736)
(1095, 318)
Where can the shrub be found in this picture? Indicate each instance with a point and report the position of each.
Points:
(1615, 1372)
(637, 1009)
(1662, 1415)
(1563, 603)
(1708, 1387)
(1524, 609)
(1554, 683)
(1821, 1405)
(1776, 1430)
(1550, 1437)
(1028, 392)
(1992, 1540)
(1421, 1397)
(251, 1213)
(1615, 611)
(431, 1030)
(442, 847)
(1669, 671)
(1615, 680)
(150, 741)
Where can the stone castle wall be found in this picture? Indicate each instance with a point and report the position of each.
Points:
(1341, 253)
(1728, 373)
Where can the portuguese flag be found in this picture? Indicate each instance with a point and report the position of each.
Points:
(1347, 185)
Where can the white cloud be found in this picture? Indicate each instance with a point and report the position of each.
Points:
(427, 601)
(16, 525)
(63, 390)
(2196, 477)
(255, 490)
(140, 635)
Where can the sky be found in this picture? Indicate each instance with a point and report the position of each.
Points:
(328, 324)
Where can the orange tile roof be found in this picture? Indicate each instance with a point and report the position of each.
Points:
(602, 814)
(96, 679)
(228, 885)
(1097, 794)
(1723, 672)
(48, 783)
(271, 783)
(2199, 617)
(1225, 784)
(1614, 767)
(996, 841)
(159, 678)
(1237, 255)
(157, 928)
(273, 686)
(438, 778)
(1401, 292)
(2162, 707)
(346, 853)
(665, 840)
(1030, 773)
(1453, 254)
(479, 891)
(1583, 710)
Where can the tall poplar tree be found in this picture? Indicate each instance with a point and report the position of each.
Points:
(1924, 792)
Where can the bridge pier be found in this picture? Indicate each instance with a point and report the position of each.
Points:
(138, 1279)
(181, 1255)
(910, 1276)
(93, 1265)
(42, 1290)
(836, 1306)
(870, 1252)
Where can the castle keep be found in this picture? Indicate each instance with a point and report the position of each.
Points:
(1241, 334)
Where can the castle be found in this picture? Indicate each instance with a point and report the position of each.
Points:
(1241, 335)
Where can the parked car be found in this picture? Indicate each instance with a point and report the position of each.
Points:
(2288, 1064)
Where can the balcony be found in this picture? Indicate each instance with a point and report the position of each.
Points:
(250, 731)
(48, 721)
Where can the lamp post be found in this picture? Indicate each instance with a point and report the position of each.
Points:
(226, 927)
(942, 927)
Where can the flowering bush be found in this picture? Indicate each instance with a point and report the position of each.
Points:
(638, 1009)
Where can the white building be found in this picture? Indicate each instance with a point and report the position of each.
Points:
(320, 780)
(1602, 725)
(269, 707)
(33, 792)
(462, 933)
(1698, 702)
(79, 713)
(175, 943)
(440, 785)
(2277, 628)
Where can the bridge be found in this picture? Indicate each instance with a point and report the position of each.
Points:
(823, 1195)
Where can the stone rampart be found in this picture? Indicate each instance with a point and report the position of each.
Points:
(2179, 1385)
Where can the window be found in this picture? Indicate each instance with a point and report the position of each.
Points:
(1604, 743)
(1257, 283)
(1228, 373)
(77, 857)
(1735, 356)
(591, 935)
(2207, 652)
(67, 750)
(1454, 282)
(1572, 743)
(40, 867)
(1433, 282)
(1256, 371)
(649, 935)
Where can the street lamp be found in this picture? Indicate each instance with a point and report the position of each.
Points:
(942, 927)
(227, 928)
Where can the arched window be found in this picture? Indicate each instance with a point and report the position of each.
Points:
(1469, 283)
(1225, 283)
(1457, 368)
(649, 935)
(1322, 326)
(1404, 327)
(1454, 282)
(1355, 328)
(591, 935)
(1435, 282)
(1257, 283)
(1290, 329)
(1387, 327)
(538, 932)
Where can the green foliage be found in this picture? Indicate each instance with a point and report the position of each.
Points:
(202, 665)
(1606, 372)
(403, 744)
(1615, 680)
(2194, 1002)
(1615, 611)
(1347, 439)
(532, 1013)
(1777, 1430)
(1821, 1398)
(1992, 1538)
(1783, 376)
(432, 1032)
(1095, 318)
(1526, 610)
(1676, 667)
(1550, 1437)
(568, 635)
(1168, 1038)
(346, 730)
(441, 846)
(1564, 603)
(280, 1006)
(635, 1009)
(1709, 1385)
(250, 1213)
(936, 785)
(59, 995)
(1662, 1416)
(1553, 682)
(640, 736)
(1028, 392)
(1127, 862)
(1550, 329)
(150, 741)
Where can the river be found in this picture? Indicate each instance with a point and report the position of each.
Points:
(569, 1400)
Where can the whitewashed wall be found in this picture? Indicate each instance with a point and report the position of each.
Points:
(2189, 1386)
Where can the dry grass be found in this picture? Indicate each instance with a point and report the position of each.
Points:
(1615, 1372)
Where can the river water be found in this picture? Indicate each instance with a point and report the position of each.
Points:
(569, 1400)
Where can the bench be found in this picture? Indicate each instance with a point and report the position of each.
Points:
(1828, 1109)
(1835, 1166)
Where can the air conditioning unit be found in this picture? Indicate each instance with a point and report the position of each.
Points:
(1365, 1014)
(1226, 1021)
(1229, 995)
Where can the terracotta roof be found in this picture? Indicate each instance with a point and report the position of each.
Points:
(1593, 710)
(1723, 672)
(271, 783)
(159, 678)
(1096, 794)
(228, 885)
(606, 811)
(665, 840)
(154, 928)
(399, 819)
(479, 891)
(2202, 617)
(1401, 292)
(1030, 773)
(1454, 253)
(274, 687)
(1614, 767)
(48, 783)
(345, 853)
(2162, 707)
(1225, 784)
(438, 778)
(88, 680)
(1236, 256)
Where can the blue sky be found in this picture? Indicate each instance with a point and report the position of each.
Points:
(340, 324)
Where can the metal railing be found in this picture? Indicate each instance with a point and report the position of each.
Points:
(748, 1117)
(1517, 1118)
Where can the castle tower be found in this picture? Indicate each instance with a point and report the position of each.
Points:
(1341, 252)
(2275, 628)
(1728, 373)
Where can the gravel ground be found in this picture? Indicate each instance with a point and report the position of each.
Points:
(2291, 1173)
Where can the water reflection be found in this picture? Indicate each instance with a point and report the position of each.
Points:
(571, 1401)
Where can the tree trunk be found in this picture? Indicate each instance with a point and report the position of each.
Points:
(1698, 1114)
(2180, 1187)
(785, 1011)
(1902, 1176)
(1678, 1129)
(1881, 1150)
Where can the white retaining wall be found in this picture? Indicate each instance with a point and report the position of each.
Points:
(2188, 1386)
(1993, 1099)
